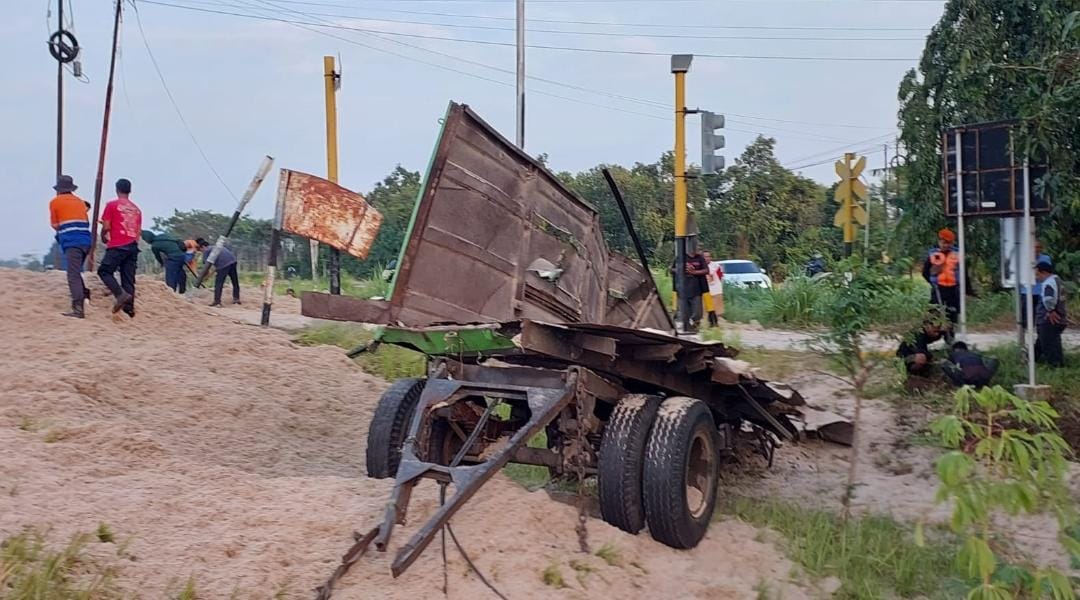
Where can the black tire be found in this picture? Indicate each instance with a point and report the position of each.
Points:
(622, 452)
(389, 425)
(681, 473)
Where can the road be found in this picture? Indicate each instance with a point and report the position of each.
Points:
(779, 339)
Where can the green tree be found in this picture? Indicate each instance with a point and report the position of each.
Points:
(989, 60)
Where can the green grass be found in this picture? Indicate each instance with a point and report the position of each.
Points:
(873, 557)
(992, 311)
(388, 362)
(350, 286)
(30, 570)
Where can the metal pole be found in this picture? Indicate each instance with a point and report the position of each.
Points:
(330, 81)
(960, 234)
(1029, 268)
(849, 207)
(1018, 263)
(520, 111)
(60, 103)
(275, 241)
(638, 247)
(98, 181)
(680, 200)
(264, 168)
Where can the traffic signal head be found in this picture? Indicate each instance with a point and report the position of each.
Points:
(711, 142)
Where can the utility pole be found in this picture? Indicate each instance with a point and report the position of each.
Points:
(332, 81)
(98, 181)
(520, 111)
(680, 65)
(60, 98)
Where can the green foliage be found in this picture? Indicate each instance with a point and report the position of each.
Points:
(861, 298)
(987, 61)
(873, 557)
(388, 362)
(29, 570)
(1006, 456)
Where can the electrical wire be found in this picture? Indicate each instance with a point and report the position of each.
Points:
(544, 46)
(176, 107)
(609, 23)
(593, 33)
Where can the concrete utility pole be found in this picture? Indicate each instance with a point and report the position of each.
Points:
(520, 111)
(99, 179)
(332, 81)
(680, 65)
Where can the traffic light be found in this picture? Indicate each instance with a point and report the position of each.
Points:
(711, 142)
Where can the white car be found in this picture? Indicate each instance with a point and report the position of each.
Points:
(744, 273)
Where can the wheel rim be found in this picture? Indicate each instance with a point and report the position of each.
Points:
(699, 473)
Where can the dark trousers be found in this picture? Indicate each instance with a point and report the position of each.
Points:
(1048, 345)
(124, 259)
(175, 277)
(75, 257)
(973, 375)
(219, 283)
(948, 297)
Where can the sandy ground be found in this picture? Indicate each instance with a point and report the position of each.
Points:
(779, 339)
(227, 454)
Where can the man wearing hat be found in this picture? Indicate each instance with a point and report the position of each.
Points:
(68, 216)
(942, 271)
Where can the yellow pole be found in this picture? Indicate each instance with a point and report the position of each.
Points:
(680, 154)
(680, 64)
(329, 79)
(849, 208)
(330, 86)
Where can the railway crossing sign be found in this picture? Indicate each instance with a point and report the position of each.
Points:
(849, 194)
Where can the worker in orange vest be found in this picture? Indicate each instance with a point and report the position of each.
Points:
(942, 270)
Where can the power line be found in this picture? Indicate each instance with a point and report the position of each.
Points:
(593, 32)
(540, 46)
(176, 107)
(608, 23)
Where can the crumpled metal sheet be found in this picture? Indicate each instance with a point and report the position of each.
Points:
(488, 212)
(322, 210)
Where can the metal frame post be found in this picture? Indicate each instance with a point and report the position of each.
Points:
(330, 80)
(960, 234)
(1029, 251)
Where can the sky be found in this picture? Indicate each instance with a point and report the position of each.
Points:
(247, 87)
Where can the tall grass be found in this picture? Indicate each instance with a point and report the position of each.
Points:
(371, 287)
(29, 570)
(873, 557)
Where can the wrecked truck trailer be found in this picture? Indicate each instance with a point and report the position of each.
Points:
(543, 348)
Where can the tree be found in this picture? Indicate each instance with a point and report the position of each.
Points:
(990, 60)
(758, 209)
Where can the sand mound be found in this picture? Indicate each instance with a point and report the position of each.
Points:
(225, 453)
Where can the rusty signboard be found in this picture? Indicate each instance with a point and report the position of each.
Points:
(322, 210)
(496, 237)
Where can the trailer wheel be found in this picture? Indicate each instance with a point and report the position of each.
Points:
(681, 472)
(622, 450)
(389, 425)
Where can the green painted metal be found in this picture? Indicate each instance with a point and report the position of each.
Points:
(446, 341)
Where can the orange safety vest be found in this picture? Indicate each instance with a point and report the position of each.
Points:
(946, 265)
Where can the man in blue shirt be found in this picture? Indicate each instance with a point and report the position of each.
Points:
(1051, 317)
(225, 266)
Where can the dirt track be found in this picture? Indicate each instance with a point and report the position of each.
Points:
(226, 453)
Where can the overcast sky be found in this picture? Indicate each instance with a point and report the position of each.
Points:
(249, 87)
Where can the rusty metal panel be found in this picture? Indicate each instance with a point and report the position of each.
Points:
(324, 211)
(496, 237)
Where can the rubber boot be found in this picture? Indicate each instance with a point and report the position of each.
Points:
(77, 311)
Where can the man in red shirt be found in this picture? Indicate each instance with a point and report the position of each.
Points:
(121, 226)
